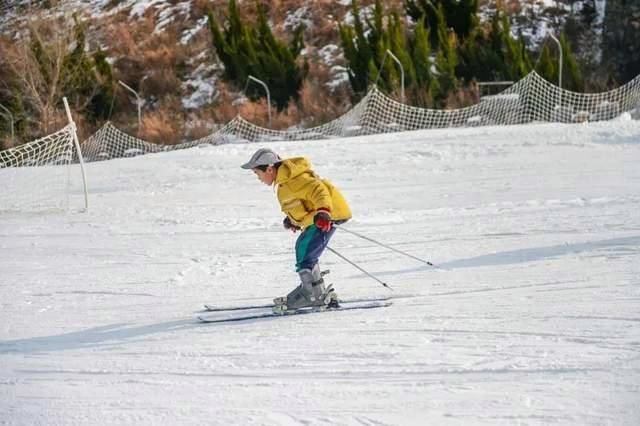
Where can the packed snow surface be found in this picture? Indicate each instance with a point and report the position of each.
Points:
(531, 317)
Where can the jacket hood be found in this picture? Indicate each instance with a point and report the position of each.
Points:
(292, 167)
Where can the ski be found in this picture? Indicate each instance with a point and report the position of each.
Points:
(362, 305)
(213, 308)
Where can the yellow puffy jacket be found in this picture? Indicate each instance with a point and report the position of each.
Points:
(301, 193)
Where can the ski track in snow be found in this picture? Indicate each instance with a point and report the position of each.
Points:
(532, 318)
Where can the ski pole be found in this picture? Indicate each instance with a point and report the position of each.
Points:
(386, 246)
(358, 267)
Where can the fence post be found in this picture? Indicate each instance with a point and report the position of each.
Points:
(77, 145)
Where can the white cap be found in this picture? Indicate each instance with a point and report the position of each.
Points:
(262, 157)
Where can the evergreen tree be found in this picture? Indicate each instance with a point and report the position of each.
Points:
(253, 50)
(426, 85)
(426, 12)
(447, 57)
(493, 54)
(515, 58)
(548, 67)
(366, 49)
(85, 80)
(102, 100)
(358, 51)
(421, 53)
(461, 15)
(571, 74)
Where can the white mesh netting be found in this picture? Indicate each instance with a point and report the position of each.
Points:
(532, 99)
(36, 175)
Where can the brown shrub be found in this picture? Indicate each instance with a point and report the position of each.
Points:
(84, 129)
(256, 112)
(201, 7)
(162, 127)
(7, 142)
(463, 97)
(122, 40)
(317, 105)
(38, 84)
(160, 82)
(514, 7)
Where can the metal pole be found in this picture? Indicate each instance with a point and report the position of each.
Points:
(77, 145)
(10, 121)
(384, 58)
(559, 67)
(138, 102)
(358, 267)
(266, 88)
(401, 73)
(386, 246)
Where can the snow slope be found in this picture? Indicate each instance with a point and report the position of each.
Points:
(533, 317)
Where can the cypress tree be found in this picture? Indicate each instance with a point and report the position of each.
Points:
(426, 84)
(447, 57)
(253, 50)
(400, 45)
(78, 77)
(385, 70)
(461, 15)
(357, 52)
(493, 54)
(571, 70)
(87, 80)
(547, 65)
(424, 11)
(516, 60)
(366, 49)
(100, 103)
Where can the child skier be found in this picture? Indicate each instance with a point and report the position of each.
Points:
(311, 205)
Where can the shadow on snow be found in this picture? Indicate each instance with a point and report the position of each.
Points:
(531, 255)
(95, 337)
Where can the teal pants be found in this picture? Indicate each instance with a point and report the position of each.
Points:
(310, 245)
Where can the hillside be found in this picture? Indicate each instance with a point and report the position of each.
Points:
(163, 49)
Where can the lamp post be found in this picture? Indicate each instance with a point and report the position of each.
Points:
(138, 102)
(401, 74)
(397, 61)
(559, 67)
(266, 88)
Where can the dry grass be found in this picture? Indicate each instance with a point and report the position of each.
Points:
(463, 97)
(7, 143)
(318, 106)
(200, 124)
(156, 64)
(161, 127)
(39, 83)
(127, 45)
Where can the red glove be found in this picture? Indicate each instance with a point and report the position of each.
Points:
(322, 219)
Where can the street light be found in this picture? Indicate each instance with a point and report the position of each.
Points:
(266, 90)
(8, 113)
(138, 102)
(397, 61)
(559, 66)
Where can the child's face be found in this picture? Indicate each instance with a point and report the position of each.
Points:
(267, 177)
